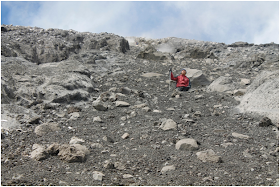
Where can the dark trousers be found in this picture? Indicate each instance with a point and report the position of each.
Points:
(182, 88)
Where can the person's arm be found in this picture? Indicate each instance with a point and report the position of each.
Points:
(173, 78)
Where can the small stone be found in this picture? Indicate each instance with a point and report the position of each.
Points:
(39, 152)
(187, 145)
(245, 81)
(140, 105)
(208, 156)
(207, 179)
(197, 114)
(157, 111)
(196, 97)
(123, 118)
(127, 176)
(247, 154)
(186, 116)
(18, 176)
(169, 124)
(34, 120)
(265, 122)
(73, 109)
(95, 145)
(226, 144)
(125, 136)
(60, 114)
(108, 139)
(97, 175)
(168, 168)
(241, 136)
(122, 104)
(75, 140)
(97, 119)
(171, 109)
(119, 166)
(99, 105)
(74, 115)
(62, 183)
(125, 90)
(53, 149)
(108, 164)
(239, 92)
(218, 106)
(146, 109)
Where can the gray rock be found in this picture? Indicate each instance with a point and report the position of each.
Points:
(222, 84)
(125, 136)
(146, 109)
(96, 145)
(142, 105)
(239, 92)
(97, 175)
(122, 104)
(265, 122)
(187, 145)
(76, 140)
(197, 114)
(245, 81)
(53, 149)
(168, 168)
(169, 124)
(97, 119)
(208, 156)
(13, 116)
(226, 144)
(262, 97)
(45, 128)
(125, 90)
(73, 153)
(108, 164)
(127, 176)
(247, 154)
(197, 78)
(39, 152)
(99, 105)
(108, 139)
(74, 115)
(241, 136)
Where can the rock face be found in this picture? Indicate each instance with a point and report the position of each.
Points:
(262, 97)
(87, 109)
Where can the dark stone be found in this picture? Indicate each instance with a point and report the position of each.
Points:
(265, 122)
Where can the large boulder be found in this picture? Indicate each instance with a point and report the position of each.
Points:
(262, 97)
(222, 84)
(197, 77)
(14, 116)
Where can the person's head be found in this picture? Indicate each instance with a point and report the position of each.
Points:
(183, 71)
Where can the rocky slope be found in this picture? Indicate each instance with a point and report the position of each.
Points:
(99, 109)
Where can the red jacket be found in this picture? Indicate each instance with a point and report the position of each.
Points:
(182, 80)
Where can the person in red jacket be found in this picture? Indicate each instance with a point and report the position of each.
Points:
(183, 82)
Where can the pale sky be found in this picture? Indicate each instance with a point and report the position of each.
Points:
(217, 21)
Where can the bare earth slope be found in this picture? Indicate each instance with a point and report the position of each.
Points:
(99, 109)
